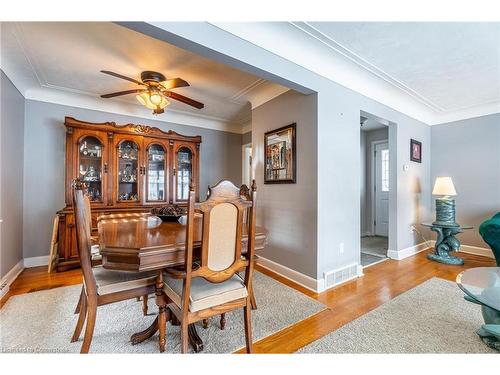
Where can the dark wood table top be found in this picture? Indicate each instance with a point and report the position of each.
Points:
(146, 243)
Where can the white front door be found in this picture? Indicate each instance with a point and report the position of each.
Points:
(381, 187)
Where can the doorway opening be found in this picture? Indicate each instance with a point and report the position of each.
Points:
(375, 187)
(246, 168)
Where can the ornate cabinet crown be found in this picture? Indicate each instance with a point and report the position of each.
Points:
(127, 168)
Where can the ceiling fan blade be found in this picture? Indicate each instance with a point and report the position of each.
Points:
(184, 99)
(119, 93)
(122, 77)
(173, 83)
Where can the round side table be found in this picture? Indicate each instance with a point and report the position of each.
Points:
(482, 286)
(446, 242)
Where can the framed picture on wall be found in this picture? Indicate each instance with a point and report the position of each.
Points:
(280, 155)
(415, 151)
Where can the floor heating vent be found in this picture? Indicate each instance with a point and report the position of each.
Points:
(340, 275)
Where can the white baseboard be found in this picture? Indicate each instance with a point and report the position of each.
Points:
(314, 285)
(477, 251)
(9, 277)
(409, 251)
(342, 275)
(36, 261)
(307, 282)
(412, 250)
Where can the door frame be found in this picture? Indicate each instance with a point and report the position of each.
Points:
(373, 181)
(243, 163)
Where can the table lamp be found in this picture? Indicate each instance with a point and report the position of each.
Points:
(445, 207)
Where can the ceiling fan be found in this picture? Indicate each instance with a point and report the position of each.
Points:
(154, 91)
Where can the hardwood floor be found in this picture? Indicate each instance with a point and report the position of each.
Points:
(345, 303)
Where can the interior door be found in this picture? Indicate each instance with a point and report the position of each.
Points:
(247, 165)
(381, 189)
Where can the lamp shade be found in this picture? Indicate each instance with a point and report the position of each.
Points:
(444, 186)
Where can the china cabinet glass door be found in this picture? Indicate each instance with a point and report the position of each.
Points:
(90, 154)
(128, 172)
(183, 173)
(155, 174)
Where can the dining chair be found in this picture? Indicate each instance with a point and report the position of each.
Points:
(213, 286)
(245, 193)
(100, 286)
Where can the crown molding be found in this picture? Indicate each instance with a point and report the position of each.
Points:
(247, 127)
(467, 113)
(73, 99)
(33, 85)
(245, 90)
(332, 61)
(356, 59)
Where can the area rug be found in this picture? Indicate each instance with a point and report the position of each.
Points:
(44, 322)
(430, 318)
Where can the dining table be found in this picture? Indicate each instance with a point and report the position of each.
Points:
(143, 242)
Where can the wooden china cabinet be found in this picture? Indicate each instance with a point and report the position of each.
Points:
(127, 168)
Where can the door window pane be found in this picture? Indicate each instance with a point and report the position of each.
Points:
(156, 173)
(127, 171)
(90, 166)
(385, 170)
(184, 171)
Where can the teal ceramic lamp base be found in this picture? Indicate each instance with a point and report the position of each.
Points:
(445, 212)
(446, 228)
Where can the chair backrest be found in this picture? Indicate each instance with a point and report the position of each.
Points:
(222, 228)
(81, 206)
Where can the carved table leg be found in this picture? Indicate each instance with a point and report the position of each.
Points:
(161, 302)
(222, 321)
(174, 321)
(194, 339)
(160, 322)
(205, 323)
(139, 337)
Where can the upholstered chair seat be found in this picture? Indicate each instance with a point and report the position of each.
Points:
(95, 252)
(204, 294)
(109, 281)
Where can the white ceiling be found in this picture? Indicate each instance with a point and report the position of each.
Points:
(434, 72)
(452, 66)
(60, 62)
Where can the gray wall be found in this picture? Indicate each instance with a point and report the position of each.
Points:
(44, 160)
(11, 183)
(288, 211)
(339, 176)
(367, 137)
(338, 140)
(469, 152)
(246, 138)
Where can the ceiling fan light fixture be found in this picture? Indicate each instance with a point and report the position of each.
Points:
(154, 91)
(164, 102)
(155, 98)
(143, 98)
(155, 101)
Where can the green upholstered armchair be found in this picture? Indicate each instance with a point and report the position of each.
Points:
(490, 231)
